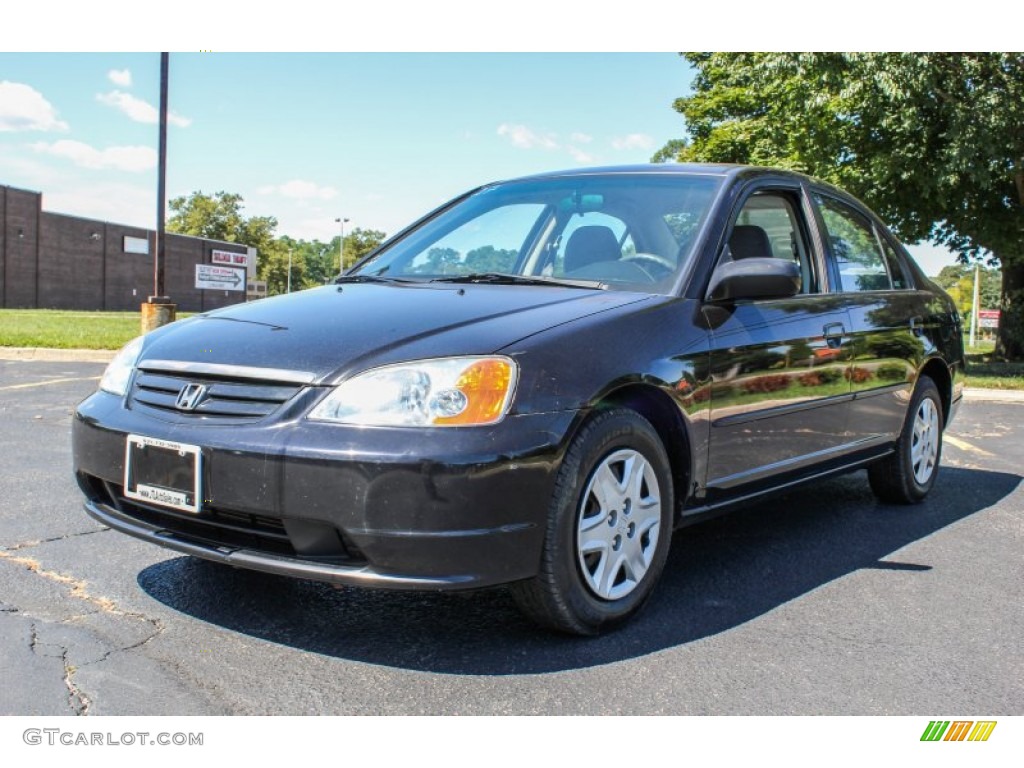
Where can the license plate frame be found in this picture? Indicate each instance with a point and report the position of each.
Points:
(165, 473)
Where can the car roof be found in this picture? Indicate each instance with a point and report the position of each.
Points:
(679, 169)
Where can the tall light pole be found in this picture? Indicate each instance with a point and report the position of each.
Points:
(975, 300)
(341, 245)
(289, 270)
(161, 184)
(159, 310)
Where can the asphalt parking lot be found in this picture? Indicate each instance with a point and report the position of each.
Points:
(819, 602)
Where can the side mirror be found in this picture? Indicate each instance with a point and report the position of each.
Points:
(754, 278)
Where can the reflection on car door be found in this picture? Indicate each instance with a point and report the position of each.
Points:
(887, 316)
(780, 379)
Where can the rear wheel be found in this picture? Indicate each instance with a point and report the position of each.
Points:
(609, 527)
(906, 476)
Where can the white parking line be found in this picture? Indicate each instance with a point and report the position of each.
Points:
(963, 445)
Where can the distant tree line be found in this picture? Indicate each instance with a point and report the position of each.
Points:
(313, 262)
(958, 281)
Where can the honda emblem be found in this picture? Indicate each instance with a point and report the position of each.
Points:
(190, 396)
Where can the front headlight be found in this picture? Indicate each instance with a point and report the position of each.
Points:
(119, 372)
(448, 392)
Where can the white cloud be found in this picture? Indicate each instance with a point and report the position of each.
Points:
(579, 155)
(23, 108)
(138, 110)
(122, 77)
(297, 189)
(633, 141)
(120, 202)
(580, 138)
(524, 138)
(131, 159)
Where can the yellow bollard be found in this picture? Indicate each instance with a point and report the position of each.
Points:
(156, 313)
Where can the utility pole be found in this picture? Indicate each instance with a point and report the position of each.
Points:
(159, 310)
(974, 303)
(341, 244)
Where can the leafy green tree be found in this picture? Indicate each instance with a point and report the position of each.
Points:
(487, 258)
(220, 217)
(318, 261)
(217, 216)
(958, 281)
(442, 261)
(933, 142)
(358, 243)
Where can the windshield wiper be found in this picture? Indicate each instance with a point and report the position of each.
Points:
(343, 279)
(500, 278)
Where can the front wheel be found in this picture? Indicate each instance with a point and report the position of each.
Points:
(906, 476)
(609, 527)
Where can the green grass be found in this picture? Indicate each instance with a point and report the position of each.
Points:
(986, 373)
(60, 329)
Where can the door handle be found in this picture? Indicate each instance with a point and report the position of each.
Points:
(917, 325)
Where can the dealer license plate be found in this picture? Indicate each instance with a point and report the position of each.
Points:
(163, 472)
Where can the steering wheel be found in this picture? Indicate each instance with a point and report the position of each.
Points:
(658, 267)
(615, 271)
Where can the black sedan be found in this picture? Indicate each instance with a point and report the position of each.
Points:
(535, 385)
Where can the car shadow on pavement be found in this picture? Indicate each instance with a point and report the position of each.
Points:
(720, 574)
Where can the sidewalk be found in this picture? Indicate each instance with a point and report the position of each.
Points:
(994, 395)
(57, 355)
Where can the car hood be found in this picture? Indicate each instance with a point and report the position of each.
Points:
(331, 331)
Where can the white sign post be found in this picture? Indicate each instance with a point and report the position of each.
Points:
(220, 278)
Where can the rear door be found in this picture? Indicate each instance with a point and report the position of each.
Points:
(780, 386)
(888, 318)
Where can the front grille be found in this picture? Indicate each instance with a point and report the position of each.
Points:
(217, 527)
(238, 399)
(221, 528)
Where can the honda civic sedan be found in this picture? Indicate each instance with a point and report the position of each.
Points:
(534, 386)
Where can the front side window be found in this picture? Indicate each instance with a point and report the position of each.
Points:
(855, 247)
(769, 226)
(619, 231)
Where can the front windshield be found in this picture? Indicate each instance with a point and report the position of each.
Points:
(620, 231)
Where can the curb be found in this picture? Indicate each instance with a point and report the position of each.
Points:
(57, 355)
(975, 395)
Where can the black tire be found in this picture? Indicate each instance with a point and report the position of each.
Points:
(906, 476)
(590, 518)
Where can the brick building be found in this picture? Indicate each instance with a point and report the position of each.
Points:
(53, 261)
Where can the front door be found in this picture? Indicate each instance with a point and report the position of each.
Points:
(780, 368)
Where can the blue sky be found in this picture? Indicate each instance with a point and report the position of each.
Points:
(378, 138)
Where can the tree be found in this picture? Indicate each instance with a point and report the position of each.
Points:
(932, 142)
(217, 216)
(958, 281)
(358, 243)
(487, 258)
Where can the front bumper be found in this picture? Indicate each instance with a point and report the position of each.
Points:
(393, 508)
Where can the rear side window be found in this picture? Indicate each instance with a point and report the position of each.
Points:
(857, 252)
(896, 272)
